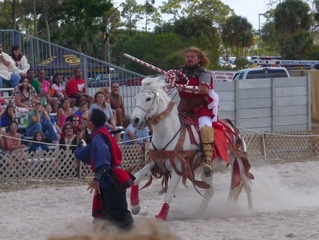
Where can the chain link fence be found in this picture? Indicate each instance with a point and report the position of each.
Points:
(62, 164)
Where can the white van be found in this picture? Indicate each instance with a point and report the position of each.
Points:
(263, 72)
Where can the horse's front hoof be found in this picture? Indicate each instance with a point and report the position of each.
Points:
(164, 212)
(135, 209)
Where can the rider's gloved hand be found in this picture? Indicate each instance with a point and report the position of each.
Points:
(170, 77)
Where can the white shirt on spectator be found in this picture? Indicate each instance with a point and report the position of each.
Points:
(6, 72)
(23, 65)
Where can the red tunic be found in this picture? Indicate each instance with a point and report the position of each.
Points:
(201, 110)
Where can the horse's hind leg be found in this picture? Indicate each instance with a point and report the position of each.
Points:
(134, 198)
(174, 181)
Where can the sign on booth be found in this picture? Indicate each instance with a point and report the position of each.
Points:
(223, 76)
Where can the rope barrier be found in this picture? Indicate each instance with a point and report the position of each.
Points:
(55, 144)
(150, 137)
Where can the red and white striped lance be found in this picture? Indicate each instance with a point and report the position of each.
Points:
(145, 63)
(171, 75)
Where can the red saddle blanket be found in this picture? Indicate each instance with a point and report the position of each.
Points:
(220, 135)
(220, 142)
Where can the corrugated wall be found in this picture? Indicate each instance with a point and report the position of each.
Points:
(279, 104)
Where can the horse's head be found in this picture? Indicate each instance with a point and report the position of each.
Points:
(150, 101)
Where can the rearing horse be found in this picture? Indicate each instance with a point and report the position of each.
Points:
(175, 152)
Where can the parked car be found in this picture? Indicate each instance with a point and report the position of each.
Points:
(266, 72)
(103, 80)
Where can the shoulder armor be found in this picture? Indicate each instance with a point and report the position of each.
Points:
(203, 69)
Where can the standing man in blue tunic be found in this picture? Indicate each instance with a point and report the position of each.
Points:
(110, 180)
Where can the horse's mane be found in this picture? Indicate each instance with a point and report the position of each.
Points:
(155, 83)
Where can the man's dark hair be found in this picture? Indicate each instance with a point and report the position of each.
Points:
(98, 117)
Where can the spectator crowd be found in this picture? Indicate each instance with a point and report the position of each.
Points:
(52, 111)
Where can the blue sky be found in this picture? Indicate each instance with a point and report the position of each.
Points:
(249, 9)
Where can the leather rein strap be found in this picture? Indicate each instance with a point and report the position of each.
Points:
(156, 119)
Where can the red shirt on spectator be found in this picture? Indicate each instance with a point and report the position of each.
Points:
(75, 86)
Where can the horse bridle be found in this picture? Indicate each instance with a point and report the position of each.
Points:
(147, 117)
(157, 118)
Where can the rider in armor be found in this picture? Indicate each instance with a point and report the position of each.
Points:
(195, 99)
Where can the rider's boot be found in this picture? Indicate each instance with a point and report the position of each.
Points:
(207, 139)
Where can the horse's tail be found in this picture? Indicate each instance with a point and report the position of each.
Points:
(241, 166)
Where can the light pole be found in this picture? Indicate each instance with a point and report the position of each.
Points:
(260, 14)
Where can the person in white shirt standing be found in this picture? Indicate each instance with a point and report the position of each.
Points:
(7, 68)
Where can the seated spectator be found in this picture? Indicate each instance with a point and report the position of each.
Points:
(13, 140)
(85, 132)
(48, 108)
(45, 87)
(75, 88)
(138, 137)
(7, 67)
(21, 62)
(34, 122)
(100, 103)
(67, 143)
(69, 139)
(75, 120)
(59, 90)
(106, 92)
(83, 107)
(63, 112)
(8, 116)
(38, 147)
(33, 82)
(117, 103)
(24, 95)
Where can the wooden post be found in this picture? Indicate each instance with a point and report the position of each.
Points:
(264, 145)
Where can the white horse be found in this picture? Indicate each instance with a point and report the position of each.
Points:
(174, 154)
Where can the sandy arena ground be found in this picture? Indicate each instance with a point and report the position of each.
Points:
(286, 200)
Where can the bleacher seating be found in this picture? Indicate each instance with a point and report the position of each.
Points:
(6, 94)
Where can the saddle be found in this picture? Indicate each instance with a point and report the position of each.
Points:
(221, 131)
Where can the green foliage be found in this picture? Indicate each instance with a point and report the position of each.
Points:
(237, 33)
(150, 47)
(291, 16)
(313, 53)
(208, 24)
(131, 13)
(242, 63)
(298, 46)
(292, 21)
(269, 43)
